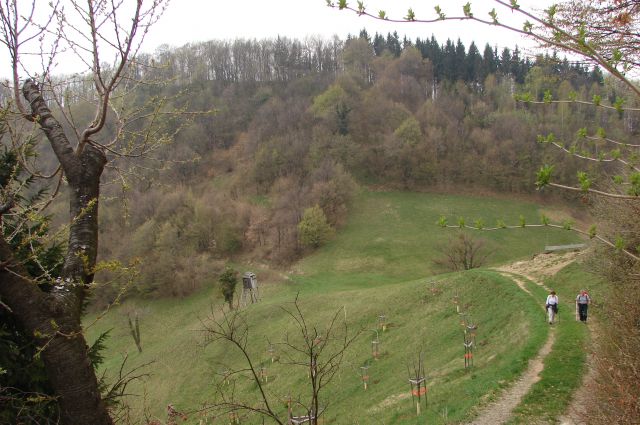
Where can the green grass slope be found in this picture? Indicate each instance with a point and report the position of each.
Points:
(380, 263)
(393, 237)
(422, 319)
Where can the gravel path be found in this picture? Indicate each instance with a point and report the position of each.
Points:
(499, 411)
(543, 265)
(575, 414)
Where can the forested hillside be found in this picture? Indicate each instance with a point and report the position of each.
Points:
(300, 124)
(283, 126)
(361, 178)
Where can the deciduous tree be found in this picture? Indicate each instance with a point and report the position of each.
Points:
(463, 252)
(314, 229)
(315, 349)
(228, 281)
(92, 30)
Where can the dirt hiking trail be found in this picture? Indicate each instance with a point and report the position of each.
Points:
(536, 270)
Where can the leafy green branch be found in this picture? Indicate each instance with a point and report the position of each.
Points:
(596, 101)
(619, 244)
(612, 156)
(612, 141)
(545, 174)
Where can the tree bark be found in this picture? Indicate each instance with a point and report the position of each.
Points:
(47, 317)
(53, 319)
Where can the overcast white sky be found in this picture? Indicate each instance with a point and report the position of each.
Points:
(188, 21)
(200, 20)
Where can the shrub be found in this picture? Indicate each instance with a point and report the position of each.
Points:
(314, 230)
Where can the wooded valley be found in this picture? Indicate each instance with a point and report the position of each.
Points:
(297, 124)
(342, 171)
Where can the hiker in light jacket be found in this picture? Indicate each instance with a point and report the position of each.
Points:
(552, 301)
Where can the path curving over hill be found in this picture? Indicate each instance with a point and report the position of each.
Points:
(539, 267)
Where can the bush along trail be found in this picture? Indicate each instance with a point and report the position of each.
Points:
(544, 391)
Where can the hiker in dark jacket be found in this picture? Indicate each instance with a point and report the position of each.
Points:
(582, 303)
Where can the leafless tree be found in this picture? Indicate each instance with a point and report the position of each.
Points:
(93, 31)
(463, 252)
(317, 351)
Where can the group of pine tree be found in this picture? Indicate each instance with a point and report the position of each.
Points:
(298, 126)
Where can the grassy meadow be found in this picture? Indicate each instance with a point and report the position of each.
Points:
(381, 262)
(393, 237)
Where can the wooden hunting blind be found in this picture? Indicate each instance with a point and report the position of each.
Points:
(250, 288)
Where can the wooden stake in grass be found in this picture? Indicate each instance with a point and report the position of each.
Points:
(311, 418)
(264, 374)
(468, 353)
(418, 382)
(463, 320)
(134, 327)
(375, 347)
(225, 373)
(271, 350)
(382, 322)
(433, 288)
(234, 418)
(288, 402)
(469, 341)
(313, 369)
(364, 374)
(445, 414)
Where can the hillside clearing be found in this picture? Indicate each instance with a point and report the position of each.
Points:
(376, 265)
